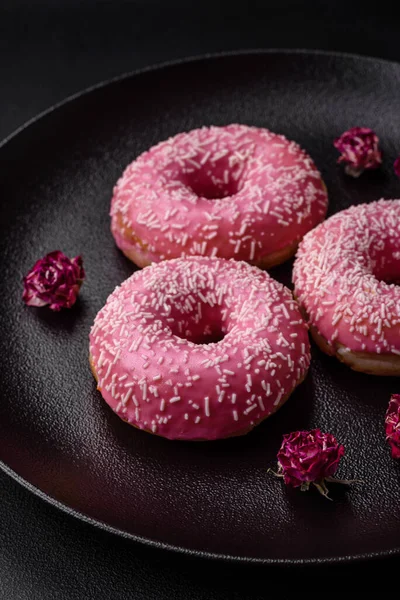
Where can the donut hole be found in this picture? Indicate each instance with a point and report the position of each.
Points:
(203, 326)
(202, 338)
(388, 275)
(215, 179)
(206, 187)
(199, 333)
(386, 264)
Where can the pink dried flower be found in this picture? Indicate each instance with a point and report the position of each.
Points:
(392, 425)
(359, 147)
(396, 166)
(54, 280)
(309, 457)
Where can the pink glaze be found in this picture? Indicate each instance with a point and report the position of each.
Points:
(342, 277)
(159, 366)
(235, 192)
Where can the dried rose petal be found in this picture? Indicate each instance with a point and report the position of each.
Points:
(54, 280)
(309, 457)
(392, 425)
(359, 147)
(396, 166)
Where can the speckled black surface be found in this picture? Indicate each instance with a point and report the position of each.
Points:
(56, 431)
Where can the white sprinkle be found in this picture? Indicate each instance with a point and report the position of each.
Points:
(278, 398)
(175, 399)
(135, 344)
(126, 397)
(243, 229)
(129, 384)
(108, 371)
(162, 405)
(205, 158)
(285, 312)
(252, 250)
(202, 297)
(207, 406)
(235, 415)
(101, 358)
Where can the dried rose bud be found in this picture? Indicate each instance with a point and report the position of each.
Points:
(396, 166)
(392, 425)
(54, 280)
(309, 457)
(359, 147)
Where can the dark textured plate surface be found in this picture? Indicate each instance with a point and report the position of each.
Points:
(56, 432)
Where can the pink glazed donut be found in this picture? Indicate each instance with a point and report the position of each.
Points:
(233, 192)
(344, 278)
(198, 348)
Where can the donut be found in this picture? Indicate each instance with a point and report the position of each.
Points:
(232, 192)
(344, 278)
(198, 348)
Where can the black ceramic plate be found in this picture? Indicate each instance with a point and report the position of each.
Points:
(56, 432)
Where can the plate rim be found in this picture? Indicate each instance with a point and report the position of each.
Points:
(189, 59)
(189, 552)
(149, 542)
